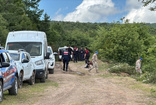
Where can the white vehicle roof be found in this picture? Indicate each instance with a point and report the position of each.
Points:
(15, 51)
(64, 48)
(16, 36)
(49, 46)
(1, 47)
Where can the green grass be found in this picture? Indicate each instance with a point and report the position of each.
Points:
(27, 93)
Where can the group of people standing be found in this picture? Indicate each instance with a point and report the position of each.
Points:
(79, 54)
(85, 55)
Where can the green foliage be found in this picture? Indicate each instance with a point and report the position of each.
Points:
(123, 43)
(122, 68)
(3, 30)
(148, 2)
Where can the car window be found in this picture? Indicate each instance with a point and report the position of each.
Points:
(6, 58)
(49, 50)
(23, 56)
(2, 58)
(27, 57)
(9, 56)
(0, 61)
(15, 56)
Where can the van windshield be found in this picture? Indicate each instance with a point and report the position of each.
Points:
(33, 48)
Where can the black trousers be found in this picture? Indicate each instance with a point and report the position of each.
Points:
(86, 61)
(65, 64)
(75, 58)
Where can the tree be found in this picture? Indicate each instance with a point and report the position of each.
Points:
(123, 42)
(147, 2)
(33, 12)
(45, 23)
(3, 30)
(13, 12)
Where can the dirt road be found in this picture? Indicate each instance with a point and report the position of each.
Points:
(79, 87)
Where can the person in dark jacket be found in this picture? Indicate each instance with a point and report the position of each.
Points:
(86, 57)
(75, 54)
(81, 54)
(70, 51)
(66, 59)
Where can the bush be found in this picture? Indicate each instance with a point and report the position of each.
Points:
(143, 77)
(122, 68)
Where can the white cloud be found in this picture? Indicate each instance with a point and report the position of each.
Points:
(133, 4)
(58, 18)
(140, 13)
(91, 11)
(58, 11)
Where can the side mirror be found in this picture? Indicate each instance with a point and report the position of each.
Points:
(5, 64)
(25, 61)
(55, 53)
(51, 56)
(47, 55)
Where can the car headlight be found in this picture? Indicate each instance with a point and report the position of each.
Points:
(39, 62)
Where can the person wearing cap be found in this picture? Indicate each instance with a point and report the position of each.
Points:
(66, 58)
(94, 61)
(138, 65)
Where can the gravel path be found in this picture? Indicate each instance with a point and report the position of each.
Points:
(79, 87)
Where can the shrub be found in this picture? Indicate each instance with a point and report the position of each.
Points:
(122, 68)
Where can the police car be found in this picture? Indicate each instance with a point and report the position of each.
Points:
(8, 74)
(25, 66)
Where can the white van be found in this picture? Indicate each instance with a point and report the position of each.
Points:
(35, 43)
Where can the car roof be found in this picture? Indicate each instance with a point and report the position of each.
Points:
(64, 48)
(15, 51)
(1, 51)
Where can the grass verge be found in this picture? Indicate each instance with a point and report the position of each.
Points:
(28, 94)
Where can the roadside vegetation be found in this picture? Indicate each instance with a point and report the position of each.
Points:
(119, 44)
(28, 94)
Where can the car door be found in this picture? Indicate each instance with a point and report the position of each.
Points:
(25, 66)
(6, 71)
(52, 57)
(29, 70)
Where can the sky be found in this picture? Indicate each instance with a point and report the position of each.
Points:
(98, 11)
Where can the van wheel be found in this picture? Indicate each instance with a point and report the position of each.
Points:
(1, 91)
(44, 78)
(51, 71)
(20, 80)
(32, 79)
(47, 74)
(14, 89)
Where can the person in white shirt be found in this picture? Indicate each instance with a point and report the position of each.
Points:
(94, 61)
(138, 65)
